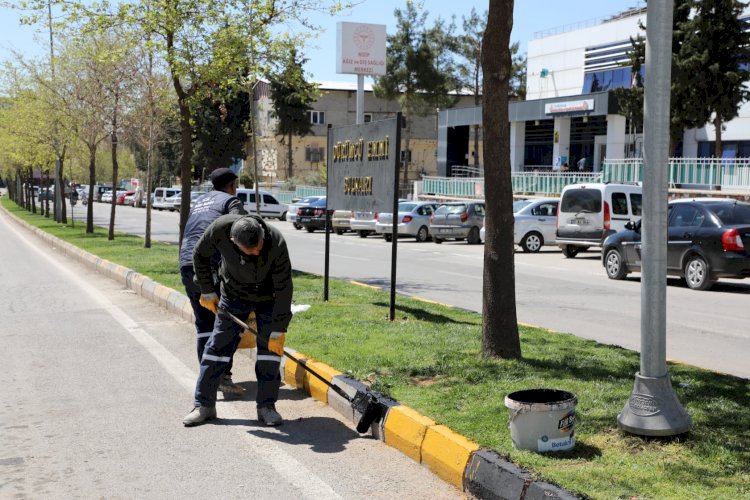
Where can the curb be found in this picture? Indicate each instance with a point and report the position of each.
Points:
(452, 457)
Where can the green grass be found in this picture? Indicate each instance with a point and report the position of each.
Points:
(429, 359)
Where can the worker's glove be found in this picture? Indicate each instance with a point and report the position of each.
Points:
(210, 301)
(248, 340)
(276, 343)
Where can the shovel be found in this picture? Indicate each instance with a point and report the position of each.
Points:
(364, 402)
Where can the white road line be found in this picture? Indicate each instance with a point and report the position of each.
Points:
(309, 485)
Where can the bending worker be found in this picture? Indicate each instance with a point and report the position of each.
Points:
(255, 276)
(208, 208)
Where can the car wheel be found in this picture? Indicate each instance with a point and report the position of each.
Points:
(614, 265)
(570, 251)
(297, 226)
(387, 237)
(283, 217)
(362, 234)
(423, 234)
(532, 242)
(339, 232)
(437, 240)
(309, 229)
(473, 238)
(697, 275)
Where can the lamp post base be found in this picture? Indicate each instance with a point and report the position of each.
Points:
(653, 409)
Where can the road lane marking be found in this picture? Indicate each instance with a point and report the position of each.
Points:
(299, 476)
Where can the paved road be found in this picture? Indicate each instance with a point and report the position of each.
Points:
(707, 329)
(95, 383)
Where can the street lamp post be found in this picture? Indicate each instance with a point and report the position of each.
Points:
(653, 408)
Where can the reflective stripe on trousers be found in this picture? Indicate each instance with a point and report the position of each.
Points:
(222, 343)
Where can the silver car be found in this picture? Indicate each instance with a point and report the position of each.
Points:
(413, 220)
(458, 220)
(535, 224)
(363, 223)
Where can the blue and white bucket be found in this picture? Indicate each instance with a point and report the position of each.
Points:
(542, 419)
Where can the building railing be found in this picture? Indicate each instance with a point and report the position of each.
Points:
(727, 174)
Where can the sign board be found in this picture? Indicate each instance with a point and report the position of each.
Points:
(362, 166)
(360, 48)
(583, 105)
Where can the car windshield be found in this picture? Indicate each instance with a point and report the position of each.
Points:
(732, 214)
(308, 200)
(451, 209)
(406, 207)
(520, 204)
(582, 200)
(321, 202)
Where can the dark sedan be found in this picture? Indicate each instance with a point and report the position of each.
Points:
(706, 241)
(312, 216)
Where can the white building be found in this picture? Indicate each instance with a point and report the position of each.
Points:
(569, 112)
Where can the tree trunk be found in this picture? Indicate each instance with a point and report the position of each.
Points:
(31, 183)
(719, 147)
(290, 167)
(111, 235)
(45, 187)
(92, 190)
(499, 322)
(63, 206)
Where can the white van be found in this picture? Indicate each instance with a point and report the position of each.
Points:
(159, 198)
(588, 213)
(269, 205)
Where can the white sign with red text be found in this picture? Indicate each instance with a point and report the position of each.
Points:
(360, 48)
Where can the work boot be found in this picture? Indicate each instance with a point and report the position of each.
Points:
(269, 416)
(230, 388)
(199, 415)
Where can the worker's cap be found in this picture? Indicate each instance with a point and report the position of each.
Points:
(247, 232)
(221, 177)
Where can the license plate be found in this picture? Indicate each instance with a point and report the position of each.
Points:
(304, 219)
(580, 221)
(444, 230)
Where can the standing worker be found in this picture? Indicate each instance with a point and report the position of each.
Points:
(208, 208)
(255, 276)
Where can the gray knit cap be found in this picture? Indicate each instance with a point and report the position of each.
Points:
(247, 232)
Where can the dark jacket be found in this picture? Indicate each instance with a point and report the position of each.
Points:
(206, 209)
(246, 277)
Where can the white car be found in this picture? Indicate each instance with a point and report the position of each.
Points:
(269, 205)
(535, 223)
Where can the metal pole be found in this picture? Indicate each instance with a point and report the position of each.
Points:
(327, 257)
(653, 408)
(394, 246)
(360, 99)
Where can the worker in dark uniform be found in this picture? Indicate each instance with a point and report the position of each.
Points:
(207, 209)
(255, 276)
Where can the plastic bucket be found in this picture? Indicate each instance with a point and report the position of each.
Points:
(542, 419)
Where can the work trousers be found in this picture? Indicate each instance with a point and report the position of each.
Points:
(222, 343)
(204, 318)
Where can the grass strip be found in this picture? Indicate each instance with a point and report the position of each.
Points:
(429, 359)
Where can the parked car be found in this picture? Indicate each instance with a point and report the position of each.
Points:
(160, 198)
(341, 220)
(291, 214)
(706, 240)
(269, 205)
(106, 197)
(588, 213)
(535, 224)
(313, 216)
(363, 223)
(458, 220)
(177, 199)
(413, 220)
(129, 199)
(121, 196)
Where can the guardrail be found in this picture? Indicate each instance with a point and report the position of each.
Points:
(727, 174)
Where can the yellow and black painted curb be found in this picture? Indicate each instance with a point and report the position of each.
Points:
(452, 457)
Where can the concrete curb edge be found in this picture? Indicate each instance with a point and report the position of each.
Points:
(452, 457)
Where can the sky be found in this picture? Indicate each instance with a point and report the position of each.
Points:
(529, 17)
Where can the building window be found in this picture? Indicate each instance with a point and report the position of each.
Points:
(368, 117)
(317, 117)
(314, 153)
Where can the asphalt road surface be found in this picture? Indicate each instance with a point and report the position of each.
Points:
(96, 381)
(707, 329)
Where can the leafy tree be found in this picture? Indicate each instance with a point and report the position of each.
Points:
(219, 128)
(292, 98)
(714, 58)
(499, 322)
(419, 74)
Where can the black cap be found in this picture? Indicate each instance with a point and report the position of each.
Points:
(221, 177)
